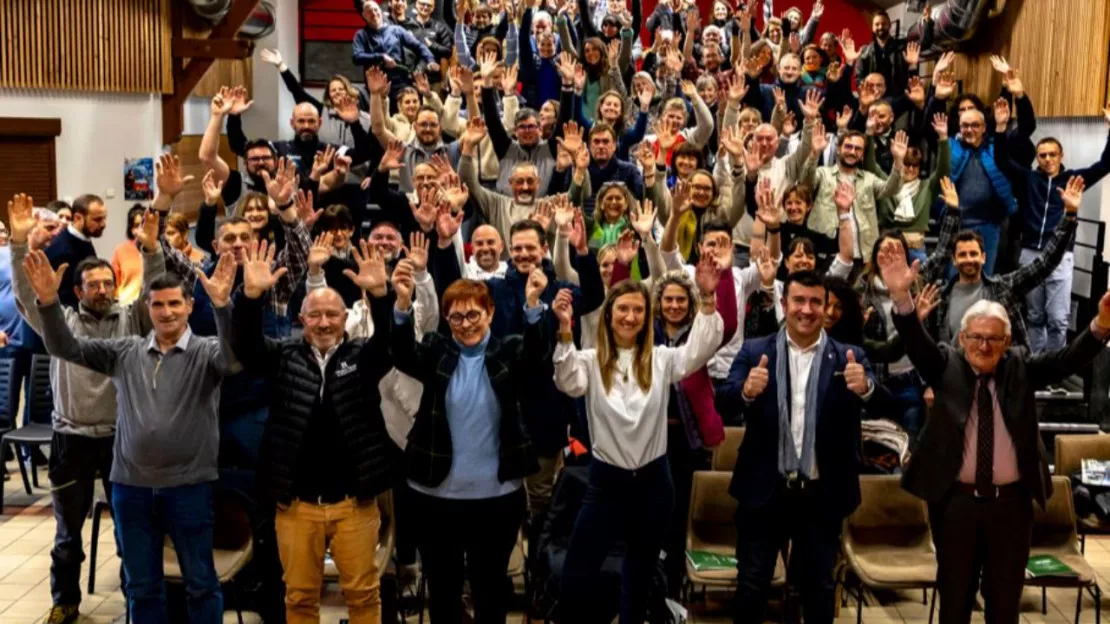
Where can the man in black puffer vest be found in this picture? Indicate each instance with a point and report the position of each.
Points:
(325, 453)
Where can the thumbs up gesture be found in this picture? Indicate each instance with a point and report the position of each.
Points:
(855, 377)
(757, 380)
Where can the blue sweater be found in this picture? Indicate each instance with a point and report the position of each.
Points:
(68, 248)
(474, 418)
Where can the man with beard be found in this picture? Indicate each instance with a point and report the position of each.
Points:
(869, 188)
(74, 243)
(886, 55)
(972, 284)
(262, 156)
(84, 417)
(430, 29)
(427, 139)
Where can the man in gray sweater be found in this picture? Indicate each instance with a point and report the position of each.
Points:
(84, 416)
(164, 456)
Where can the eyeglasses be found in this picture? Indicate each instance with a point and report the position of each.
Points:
(979, 339)
(456, 319)
(527, 126)
(971, 126)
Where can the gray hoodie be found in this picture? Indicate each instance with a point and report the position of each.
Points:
(84, 401)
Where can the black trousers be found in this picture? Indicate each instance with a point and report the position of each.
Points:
(74, 460)
(684, 462)
(988, 538)
(796, 516)
(470, 539)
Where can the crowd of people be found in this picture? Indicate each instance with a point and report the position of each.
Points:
(546, 233)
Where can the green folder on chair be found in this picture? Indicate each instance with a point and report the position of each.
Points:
(704, 561)
(1041, 566)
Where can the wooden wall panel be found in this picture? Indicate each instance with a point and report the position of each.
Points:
(87, 45)
(1060, 47)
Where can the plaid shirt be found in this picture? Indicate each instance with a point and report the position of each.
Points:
(293, 256)
(1010, 289)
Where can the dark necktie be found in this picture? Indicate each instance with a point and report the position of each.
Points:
(984, 458)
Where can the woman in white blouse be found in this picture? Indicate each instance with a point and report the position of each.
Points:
(627, 383)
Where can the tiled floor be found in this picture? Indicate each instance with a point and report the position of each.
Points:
(27, 531)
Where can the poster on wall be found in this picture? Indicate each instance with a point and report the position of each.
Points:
(138, 179)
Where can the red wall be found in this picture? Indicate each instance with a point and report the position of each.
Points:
(839, 14)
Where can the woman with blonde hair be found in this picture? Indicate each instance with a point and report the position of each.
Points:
(627, 383)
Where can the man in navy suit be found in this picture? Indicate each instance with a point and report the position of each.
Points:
(797, 473)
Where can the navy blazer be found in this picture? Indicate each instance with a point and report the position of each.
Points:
(756, 478)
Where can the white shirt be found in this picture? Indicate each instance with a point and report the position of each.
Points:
(801, 362)
(745, 281)
(471, 270)
(628, 427)
(74, 231)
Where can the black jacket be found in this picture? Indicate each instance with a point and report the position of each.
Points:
(936, 463)
(351, 380)
(511, 363)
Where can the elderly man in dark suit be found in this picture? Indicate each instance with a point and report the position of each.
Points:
(981, 511)
(797, 473)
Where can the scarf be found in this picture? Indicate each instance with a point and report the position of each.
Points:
(693, 398)
(789, 462)
(687, 233)
(1001, 184)
(903, 210)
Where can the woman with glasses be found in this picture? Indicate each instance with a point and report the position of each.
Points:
(627, 384)
(908, 211)
(468, 453)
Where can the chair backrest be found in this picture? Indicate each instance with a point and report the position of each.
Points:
(887, 514)
(233, 525)
(1072, 448)
(40, 395)
(1054, 526)
(712, 511)
(7, 365)
(724, 458)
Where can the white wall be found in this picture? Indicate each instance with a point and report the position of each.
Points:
(99, 131)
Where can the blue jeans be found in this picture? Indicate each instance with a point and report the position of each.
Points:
(633, 506)
(1048, 306)
(240, 444)
(907, 402)
(990, 233)
(143, 516)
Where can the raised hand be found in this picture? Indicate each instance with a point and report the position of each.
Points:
(899, 145)
(281, 187)
(258, 274)
(844, 196)
(757, 380)
(567, 66)
(614, 50)
(927, 301)
(475, 131)
(454, 192)
(644, 96)
(376, 81)
(320, 252)
(273, 57)
(543, 213)
(577, 238)
(915, 92)
(403, 283)
(767, 210)
(912, 53)
(168, 177)
(627, 247)
(371, 268)
(948, 193)
(689, 90)
(940, 126)
(563, 307)
(855, 377)
(820, 140)
(487, 64)
(303, 203)
(737, 87)
(21, 217)
(1001, 113)
(148, 233)
(896, 274)
(665, 135)
(220, 283)
(1072, 195)
(417, 251)
(346, 108)
(843, 119)
(392, 158)
(564, 213)
(212, 189)
(537, 283)
(643, 219)
(811, 106)
(1000, 64)
(509, 79)
(680, 197)
(420, 82)
(44, 279)
(646, 155)
(1012, 81)
(582, 158)
(795, 42)
(447, 224)
(944, 84)
(766, 266)
(848, 44)
(707, 275)
(835, 72)
(239, 101)
(789, 124)
(322, 161)
(572, 137)
(221, 102)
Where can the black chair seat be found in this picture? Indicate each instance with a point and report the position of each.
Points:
(34, 433)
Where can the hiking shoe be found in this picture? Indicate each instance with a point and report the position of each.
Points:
(62, 614)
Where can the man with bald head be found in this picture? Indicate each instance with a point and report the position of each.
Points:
(986, 195)
(486, 249)
(325, 458)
